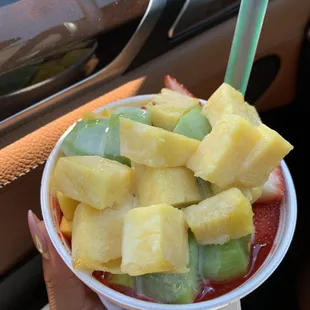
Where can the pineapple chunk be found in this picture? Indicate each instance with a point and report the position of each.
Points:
(168, 106)
(97, 237)
(91, 115)
(66, 227)
(154, 147)
(256, 193)
(265, 157)
(176, 186)
(67, 205)
(216, 220)
(251, 114)
(227, 100)
(93, 180)
(107, 112)
(112, 266)
(251, 194)
(223, 151)
(155, 239)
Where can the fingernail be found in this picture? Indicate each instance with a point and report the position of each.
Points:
(37, 237)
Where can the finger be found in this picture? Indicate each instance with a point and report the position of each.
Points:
(65, 290)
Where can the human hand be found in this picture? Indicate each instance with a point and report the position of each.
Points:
(65, 291)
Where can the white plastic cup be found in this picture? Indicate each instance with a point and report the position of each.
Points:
(282, 241)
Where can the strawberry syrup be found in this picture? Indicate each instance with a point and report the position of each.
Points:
(266, 221)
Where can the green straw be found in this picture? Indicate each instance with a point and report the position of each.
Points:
(249, 24)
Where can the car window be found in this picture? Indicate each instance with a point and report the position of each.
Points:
(68, 39)
(47, 46)
(197, 13)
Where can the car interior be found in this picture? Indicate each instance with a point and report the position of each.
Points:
(59, 59)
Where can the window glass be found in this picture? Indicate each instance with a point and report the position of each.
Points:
(199, 12)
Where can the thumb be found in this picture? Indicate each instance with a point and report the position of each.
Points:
(65, 291)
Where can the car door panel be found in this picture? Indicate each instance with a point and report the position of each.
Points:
(203, 60)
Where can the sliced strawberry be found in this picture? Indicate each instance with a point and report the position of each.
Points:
(56, 211)
(266, 221)
(274, 188)
(173, 84)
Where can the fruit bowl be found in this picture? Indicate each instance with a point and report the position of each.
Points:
(288, 214)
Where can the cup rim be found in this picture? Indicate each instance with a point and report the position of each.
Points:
(260, 276)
